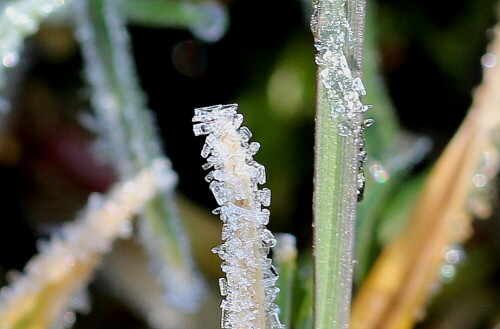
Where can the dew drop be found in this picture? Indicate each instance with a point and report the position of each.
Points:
(448, 272)
(70, 260)
(489, 60)
(69, 318)
(480, 180)
(126, 228)
(379, 173)
(10, 59)
(453, 256)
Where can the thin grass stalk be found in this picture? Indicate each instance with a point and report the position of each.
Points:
(339, 181)
(285, 257)
(130, 139)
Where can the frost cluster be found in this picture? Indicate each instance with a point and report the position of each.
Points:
(249, 287)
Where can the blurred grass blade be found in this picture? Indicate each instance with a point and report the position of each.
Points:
(391, 153)
(40, 298)
(285, 257)
(338, 179)
(207, 20)
(398, 209)
(399, 285)
(18, 20)
(303, 303)
(129, 133)
(383, 177)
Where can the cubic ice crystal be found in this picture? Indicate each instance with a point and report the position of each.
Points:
(249, 287)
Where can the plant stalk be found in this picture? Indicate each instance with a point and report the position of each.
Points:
(338, 159)
(130, 139)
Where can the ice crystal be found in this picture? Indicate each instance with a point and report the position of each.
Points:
(338, 30)
(344, 88)
(55, 278)
(249, 287)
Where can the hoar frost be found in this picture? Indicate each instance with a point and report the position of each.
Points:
(249, 287)
(339, 63)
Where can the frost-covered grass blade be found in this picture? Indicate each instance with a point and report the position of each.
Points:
(339, 179)
(40, 298)
(249, 287)
(130, 140)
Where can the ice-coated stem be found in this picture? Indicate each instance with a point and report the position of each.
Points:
(18, 20)
(249, 286)
(128, 132)
(40, 297)
(339, 181)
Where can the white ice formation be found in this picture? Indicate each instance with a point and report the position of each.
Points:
(249, 287)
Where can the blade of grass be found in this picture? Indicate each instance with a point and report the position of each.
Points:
(39, 298)
(391, 154)
(130, 134)
(337, 160)
(18, 20)
(303, 303)
(285, 256)
(208, 20)
(398, 286)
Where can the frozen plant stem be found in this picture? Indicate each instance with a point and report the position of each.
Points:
(249, 286)
(129, 136)
(40, 297)
(339, 181)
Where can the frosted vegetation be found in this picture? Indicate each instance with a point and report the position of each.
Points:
(265, 285)
(249, 287)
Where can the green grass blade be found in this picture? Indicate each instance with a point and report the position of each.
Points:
(285, 257)
(208, 20)
(338, 180)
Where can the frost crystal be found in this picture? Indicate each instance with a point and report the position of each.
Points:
(249, 287)
(343, 88)
(338, 32)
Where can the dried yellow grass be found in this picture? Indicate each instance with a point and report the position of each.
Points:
(400, 284)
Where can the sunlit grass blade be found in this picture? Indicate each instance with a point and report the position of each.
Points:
(399, 285)
(391, 153)
(39, 299)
